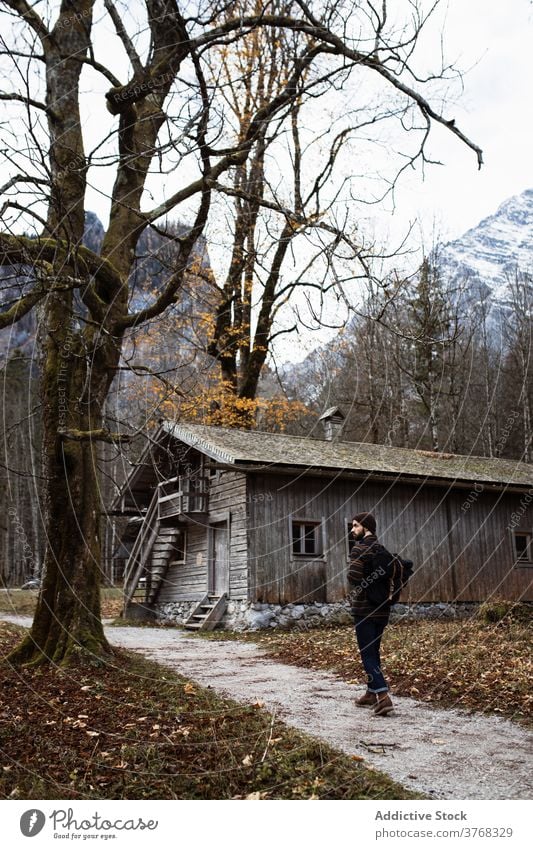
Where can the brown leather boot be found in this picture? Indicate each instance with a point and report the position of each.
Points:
(367, 700)
(383, 705)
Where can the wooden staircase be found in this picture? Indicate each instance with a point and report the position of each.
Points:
(207, 614)
(162, 555)
(136, 574)
(151, 554)
(148, 562)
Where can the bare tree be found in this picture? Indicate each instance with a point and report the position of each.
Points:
(518, 333)
(165, 138)
(278, 202)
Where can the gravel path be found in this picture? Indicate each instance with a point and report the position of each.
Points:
(446, 754)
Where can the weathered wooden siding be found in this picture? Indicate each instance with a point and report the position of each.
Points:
(483, 546)
(187, 581)
(227, 497)
(277, 576)
(190, 581)
(460, 553)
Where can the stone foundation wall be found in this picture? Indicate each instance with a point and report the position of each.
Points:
(254, 616)
(246, 616)
(175, 612)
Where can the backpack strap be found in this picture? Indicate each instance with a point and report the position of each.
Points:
(374, 551)
(392, 579)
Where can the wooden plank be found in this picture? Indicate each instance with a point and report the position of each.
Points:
(412, 519)
(463, 554)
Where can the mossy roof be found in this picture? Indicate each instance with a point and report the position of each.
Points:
(244, 447)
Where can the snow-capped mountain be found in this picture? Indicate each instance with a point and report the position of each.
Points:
(492, 252)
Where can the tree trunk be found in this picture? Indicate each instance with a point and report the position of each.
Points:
(67, 624)
(76, 365)
(75, 383)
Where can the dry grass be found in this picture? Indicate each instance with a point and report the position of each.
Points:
(22, 602)
(18, 602)
(134, 730)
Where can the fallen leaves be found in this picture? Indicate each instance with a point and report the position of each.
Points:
(464, 663)
(131, 732)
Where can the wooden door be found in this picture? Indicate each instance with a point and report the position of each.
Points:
(220, 559)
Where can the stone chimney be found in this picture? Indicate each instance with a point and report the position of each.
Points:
(333, 423)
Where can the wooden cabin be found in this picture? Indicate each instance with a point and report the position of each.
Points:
(236, 523)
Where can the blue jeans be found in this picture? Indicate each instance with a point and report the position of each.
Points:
(369, 633)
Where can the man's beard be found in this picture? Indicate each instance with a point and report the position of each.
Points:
(358, 535)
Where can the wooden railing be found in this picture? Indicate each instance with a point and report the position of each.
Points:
(172, 497)
(181, 495)
(142, 547)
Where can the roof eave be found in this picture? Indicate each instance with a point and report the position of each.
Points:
(388, 477)
(224, 459)
(180, 432)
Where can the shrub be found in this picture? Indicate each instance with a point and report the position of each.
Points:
(500, 609)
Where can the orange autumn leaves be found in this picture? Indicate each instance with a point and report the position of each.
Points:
(180, 383)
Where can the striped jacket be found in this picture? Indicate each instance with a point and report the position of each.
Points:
(360, 574)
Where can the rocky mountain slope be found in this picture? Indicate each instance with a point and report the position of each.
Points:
(492, 252)
(156, 256)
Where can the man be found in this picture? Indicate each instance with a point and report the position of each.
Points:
(370, 609)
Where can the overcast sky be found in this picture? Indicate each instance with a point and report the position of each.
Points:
(492, 42)
(495, 40)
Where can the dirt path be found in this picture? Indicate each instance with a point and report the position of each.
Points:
(446, 754)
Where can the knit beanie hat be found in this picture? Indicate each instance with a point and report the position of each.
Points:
(367, 521)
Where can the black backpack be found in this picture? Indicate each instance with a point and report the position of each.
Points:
(386, 576)
(399, 571)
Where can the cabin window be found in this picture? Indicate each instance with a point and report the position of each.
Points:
(522, 547)
(349, 538)
(306, 538)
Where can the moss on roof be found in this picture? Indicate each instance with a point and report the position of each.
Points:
(236, 447)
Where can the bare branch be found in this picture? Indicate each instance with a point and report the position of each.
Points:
(28, 101)
(28, 14)
(106, 72)
(98, 435)
(124, 37)
(23, 178)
